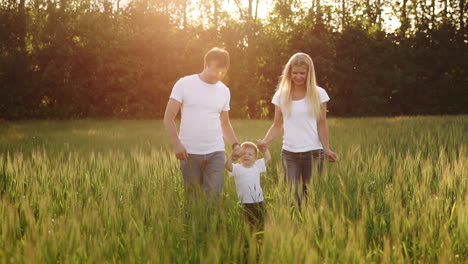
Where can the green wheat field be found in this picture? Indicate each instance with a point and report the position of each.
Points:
(94, 191)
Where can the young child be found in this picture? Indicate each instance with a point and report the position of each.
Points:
(247, 177)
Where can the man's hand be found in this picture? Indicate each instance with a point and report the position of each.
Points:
(331, 156)
(237, 152)
(262, 145)
(181, 152)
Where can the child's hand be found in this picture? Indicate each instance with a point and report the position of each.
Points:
(236, 153)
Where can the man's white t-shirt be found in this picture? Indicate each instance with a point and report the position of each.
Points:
(202, 104)
(248, 181)
(300, 128)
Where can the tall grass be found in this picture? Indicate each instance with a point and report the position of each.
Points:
(111, 191)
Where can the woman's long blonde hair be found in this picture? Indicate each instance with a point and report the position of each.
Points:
(285, 85)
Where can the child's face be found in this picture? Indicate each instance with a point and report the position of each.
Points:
(249, 157)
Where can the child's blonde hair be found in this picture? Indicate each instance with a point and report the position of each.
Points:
(250, 145)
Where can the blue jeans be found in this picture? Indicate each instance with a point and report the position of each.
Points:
(298, 167)
(204, 171)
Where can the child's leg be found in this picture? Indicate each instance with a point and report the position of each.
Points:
(255, 215)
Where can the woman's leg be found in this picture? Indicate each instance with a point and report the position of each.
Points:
(317, 161)
(291, 164)
(306, 171)
(312, 164)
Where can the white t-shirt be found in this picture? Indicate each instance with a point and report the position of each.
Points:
(248, 181)
(202, 104)
(300, 128)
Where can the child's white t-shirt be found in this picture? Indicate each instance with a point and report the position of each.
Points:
(248, 181)
(300, 128)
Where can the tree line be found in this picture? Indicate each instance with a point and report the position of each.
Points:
(100, 58)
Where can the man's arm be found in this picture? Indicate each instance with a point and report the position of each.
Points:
(229, 135)
(172, 108)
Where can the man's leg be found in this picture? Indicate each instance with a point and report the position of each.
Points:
(192, 173)
(213, 180)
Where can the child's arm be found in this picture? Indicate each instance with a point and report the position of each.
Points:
(267, 156)
(229, 163)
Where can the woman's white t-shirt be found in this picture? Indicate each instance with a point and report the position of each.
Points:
(300, 128)
(248, 181)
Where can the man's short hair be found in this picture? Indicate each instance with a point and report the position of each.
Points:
(219, 55)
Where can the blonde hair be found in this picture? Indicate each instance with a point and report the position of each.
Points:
(285, 85)
(250, 145)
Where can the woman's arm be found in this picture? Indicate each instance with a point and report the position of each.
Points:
(274, 131)
(267, 156)
(322, 126)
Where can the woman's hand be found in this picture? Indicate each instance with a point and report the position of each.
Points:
(262, 145)
(331, 156)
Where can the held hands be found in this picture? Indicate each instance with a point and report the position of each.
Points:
(181, 152)
(262, 145)
(331, 156)
(236, 152)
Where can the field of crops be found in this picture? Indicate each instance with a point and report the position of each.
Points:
(111, 191)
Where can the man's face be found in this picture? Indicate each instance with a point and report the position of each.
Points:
(214, 72)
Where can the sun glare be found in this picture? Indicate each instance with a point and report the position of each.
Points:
(236, 8)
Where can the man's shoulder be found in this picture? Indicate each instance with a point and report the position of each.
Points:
(223, 86)
(188, 78)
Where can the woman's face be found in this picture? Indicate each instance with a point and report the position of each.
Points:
(298, 75)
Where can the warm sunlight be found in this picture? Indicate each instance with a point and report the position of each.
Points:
(198, 10)
(233, 131)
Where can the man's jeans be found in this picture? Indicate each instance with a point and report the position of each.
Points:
(298, 167)
(204, 171)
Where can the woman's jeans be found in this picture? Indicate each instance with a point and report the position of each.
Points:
(298, 168)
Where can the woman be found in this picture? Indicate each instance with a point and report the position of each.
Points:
(301, 108)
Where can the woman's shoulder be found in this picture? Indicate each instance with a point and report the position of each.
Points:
(321, 90)
(323, 94)
(275, 98)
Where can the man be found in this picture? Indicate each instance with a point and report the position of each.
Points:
(204, 103)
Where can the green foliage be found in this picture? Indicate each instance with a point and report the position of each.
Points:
(95, 59)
